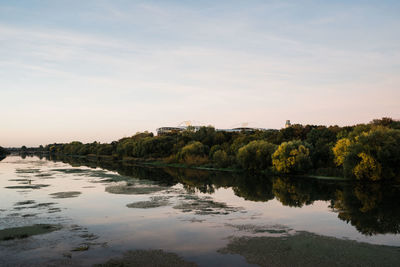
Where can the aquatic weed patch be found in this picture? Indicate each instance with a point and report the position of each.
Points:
(37, 206)
(308, 249)
(27, 170)
(26, 202)
(19, 180)
(108, 177)
(205, 206)
(72, 170)
(44, 175)
(31, 186)
(87, 241)
(133, 189)
(82, 247)
(259, 229)
(158, 258)
(27, 231)
(53, 210)
(154, 202)
(70, 194)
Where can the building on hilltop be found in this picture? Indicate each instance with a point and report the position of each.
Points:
(178, 129)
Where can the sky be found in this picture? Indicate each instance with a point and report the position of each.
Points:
(102, 70)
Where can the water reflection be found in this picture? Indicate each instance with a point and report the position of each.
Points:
(371, 208)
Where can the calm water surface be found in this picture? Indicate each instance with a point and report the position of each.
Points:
(112, 209)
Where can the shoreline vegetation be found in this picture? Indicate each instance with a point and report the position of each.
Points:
(3, 153)
(364, 152)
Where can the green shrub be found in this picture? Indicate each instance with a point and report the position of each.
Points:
(370, 155)
(256, 155)
(292, 157)
(221, 158)
(192, 149)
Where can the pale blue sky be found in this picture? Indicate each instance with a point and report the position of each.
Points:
(101, 70)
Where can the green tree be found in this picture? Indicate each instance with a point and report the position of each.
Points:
(371, 155)
(105, 150)
(192, 153)
(3, 152)
(321, 140)
(341, 150)
(221, 158)
(292, 157)
(256, 155)
(368, 168)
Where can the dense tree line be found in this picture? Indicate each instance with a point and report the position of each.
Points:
(365, 151)
(3, 152)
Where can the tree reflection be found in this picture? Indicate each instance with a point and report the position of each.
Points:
(370, 207)
(295, 192)
(255, 188)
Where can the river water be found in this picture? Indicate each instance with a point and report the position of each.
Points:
(104, 210)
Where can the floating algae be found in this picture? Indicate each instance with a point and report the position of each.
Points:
(29, 215)
(33, 186)
(54, 210)
(193, 220)
(133, 189)
(72, 170)
(38, 206)
(105, 176)
(27, 231)
(44, 175)
(108, 177)
(82, 247)
(308, 249)
(26, 202)
(19, 180)
(205, 206)
(154, 202)
(148, 258)
(69, 194)
(257, 229)
(89, 237)
(29, 170)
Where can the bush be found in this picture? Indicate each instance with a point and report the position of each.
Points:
(370, 155)
(192, 149)
(3, 151)
(221, 158)
(340, 150)
(292, 157)
(195, 160)
(256, 155)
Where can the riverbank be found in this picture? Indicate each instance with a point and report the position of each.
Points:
(323, 174)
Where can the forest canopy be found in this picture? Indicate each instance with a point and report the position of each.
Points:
(364, 152)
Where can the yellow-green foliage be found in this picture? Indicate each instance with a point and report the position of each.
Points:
(291, 157)
(289, 194)
(194, 160)
(221, 158)
(341, 150)
(372, 155)
(256, 155)
(367, 168)
(192, 153)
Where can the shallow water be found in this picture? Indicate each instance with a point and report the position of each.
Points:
(106, 210)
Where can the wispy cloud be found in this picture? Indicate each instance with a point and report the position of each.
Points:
(148, 63)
